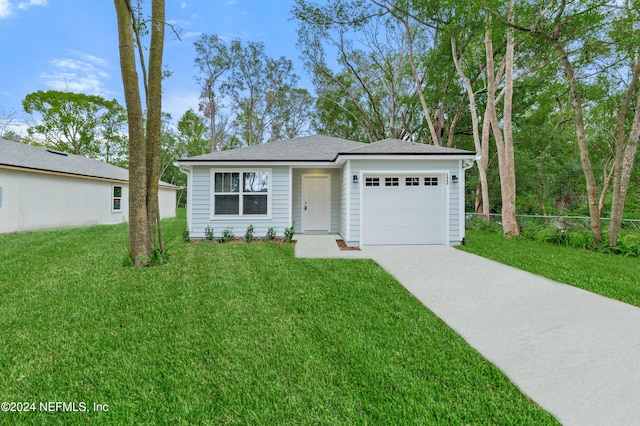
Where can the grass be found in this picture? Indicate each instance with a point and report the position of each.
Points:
(230, 334)
(612, 276)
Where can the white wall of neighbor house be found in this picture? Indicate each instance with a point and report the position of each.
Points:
(33, 201)
(167, 200)
(200, 203)
(455, 190)
(39, 200)
(336, 195)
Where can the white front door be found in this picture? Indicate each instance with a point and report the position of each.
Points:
(316, 203)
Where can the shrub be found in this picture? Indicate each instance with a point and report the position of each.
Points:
(248, 236)
(208, 234)
(227, 235)
(270, 235)
(288, 234)
(185, 236)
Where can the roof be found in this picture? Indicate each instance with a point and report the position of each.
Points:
(20, 155)
(321, 148)
(399, 147)
(306, 148)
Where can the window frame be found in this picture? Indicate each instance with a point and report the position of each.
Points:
(114, 198)
(241, 194)
(392, 181)
(431, 181)
(372, 181)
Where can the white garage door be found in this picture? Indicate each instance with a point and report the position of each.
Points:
(403, 209)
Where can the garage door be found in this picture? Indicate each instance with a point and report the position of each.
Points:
(403, 209)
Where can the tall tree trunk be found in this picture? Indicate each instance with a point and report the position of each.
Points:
(140, 242)
(625, 155)
(425, 109)
(154, 117)
(587, 169)
(480, 148)
(505, 145)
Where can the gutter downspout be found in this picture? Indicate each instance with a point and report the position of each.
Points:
(187, 171)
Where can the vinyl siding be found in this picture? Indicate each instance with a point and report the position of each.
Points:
(201, 215)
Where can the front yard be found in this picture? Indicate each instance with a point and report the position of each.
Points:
(229, 334)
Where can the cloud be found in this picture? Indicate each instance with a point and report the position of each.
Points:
(27, 4)
(5, 9)
(83, 73)
(184, 5)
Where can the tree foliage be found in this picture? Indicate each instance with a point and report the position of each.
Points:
(87, 125)
(261, 93)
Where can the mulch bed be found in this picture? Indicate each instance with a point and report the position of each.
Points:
(344, 246)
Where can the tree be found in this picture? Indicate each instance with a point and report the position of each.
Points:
(577, 23)
(213, 62)
(257, 85)
(86, 125)
(144, 143)
(376, 93)
(192, 132)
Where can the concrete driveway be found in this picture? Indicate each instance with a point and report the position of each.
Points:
(575, 353)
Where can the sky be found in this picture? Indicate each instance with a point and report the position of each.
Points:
(72, 45)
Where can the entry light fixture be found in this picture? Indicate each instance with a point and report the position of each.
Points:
(454, 179)
(355, 178)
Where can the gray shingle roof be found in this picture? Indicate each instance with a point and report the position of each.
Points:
(322, 148)
(306, 148)
(399, 147)
(31, 157)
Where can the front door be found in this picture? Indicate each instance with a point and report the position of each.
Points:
(316, 203)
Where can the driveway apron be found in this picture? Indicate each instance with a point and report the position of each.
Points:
(575, 353)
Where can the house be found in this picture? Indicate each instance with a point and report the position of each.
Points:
(41, 188)
(387, 192)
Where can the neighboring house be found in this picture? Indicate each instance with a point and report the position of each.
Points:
(41, 188)
(387, 192)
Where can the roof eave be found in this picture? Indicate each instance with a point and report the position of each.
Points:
(261, 163)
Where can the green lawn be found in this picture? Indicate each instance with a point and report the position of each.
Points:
(612, 276)
(230, 334)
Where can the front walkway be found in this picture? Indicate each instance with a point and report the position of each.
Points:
(575, 353)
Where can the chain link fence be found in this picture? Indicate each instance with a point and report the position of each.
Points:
(531, 223)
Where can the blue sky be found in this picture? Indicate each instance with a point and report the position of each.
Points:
(72, 45)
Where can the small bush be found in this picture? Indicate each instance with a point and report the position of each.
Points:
(270, 235)
(248, 236)
(158, 257)
(208, 234)
(185, 236)
(227, 235)
(288, 234)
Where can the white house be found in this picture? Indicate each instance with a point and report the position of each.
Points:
(387, 192)
(41, 188)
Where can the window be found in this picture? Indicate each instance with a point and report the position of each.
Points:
(116, 198)
(372, 181)
(391, 181)
(240, 193)
(431, 181)
(412, 181)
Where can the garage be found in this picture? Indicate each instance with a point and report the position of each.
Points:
(404, 209)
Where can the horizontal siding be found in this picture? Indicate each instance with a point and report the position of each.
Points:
(201, 215)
